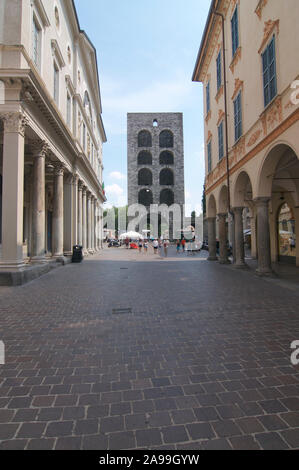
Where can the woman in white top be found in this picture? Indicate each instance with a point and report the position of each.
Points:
(155, 245)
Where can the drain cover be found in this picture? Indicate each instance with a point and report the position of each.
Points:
(118, 311)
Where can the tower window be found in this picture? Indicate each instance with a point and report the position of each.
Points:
(145, 158)
(145, 177)
(166, 139)
(144, 139)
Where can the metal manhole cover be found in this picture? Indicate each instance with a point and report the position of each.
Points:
(118, 311)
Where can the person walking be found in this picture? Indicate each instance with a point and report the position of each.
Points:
(140, 246)
(145, 246)
(183, 244)
(165, 245)
(155, 246)
(178, 246)
(292, 243)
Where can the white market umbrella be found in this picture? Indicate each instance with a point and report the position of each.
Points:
(133, 235)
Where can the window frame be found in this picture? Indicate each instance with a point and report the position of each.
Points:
(208, 97)
(238, 118)
(209, 155)
(219, 70)
(84, 136)
(56, 82)
(69, 110)
(36, 26)
(235, 31)
(267, 85)
(220, 141)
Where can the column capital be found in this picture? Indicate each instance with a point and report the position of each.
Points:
(68, 179)
(222, 215)
(59, 168)
(40, 148)
(262, 201)
(237, 210)
(80, 185)
(75, 178)
(15, 122)
(84, 190)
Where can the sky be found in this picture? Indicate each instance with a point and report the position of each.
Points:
(146, 52)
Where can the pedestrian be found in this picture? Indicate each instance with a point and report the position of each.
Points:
(178, 246)
(155, 246)
(183, 244)
(165, 245)
(145, 246)
(140, 246)
(292, 243)
(127, 243)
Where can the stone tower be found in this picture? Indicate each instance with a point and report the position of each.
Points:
(156, 159)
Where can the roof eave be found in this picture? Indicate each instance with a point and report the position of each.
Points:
(196, 72)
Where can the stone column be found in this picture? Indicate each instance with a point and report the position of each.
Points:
(80, 219)
(58, 212)
(92, 224)
(296, 215)
(84, 220)
(263, 236)
(101, 227)
(232, 236)
(13, 190)
(95, 225)
(253, 237)
(68, 187)
(223, 255)
(38, 202)
(212, 238)
(239, 238)
(98, 226)
(89, 222)
(75, 234)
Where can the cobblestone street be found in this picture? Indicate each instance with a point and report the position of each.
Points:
(198, 357)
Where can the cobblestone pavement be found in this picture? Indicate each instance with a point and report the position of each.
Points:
(201, 361)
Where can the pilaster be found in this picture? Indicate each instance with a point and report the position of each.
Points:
(13, 190)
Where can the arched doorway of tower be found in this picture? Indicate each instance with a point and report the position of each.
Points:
(286, 233)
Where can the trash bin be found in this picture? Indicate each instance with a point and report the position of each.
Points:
(77, 254)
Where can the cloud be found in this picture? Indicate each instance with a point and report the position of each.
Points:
(117, 175)
(188, 195)
(114, 190)
(115, 196)
(157, 96)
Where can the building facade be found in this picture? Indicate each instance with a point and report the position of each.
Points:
(156, 160)
(248, 66)
(51, 134)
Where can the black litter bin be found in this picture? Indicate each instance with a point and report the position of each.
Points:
(77, 254)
